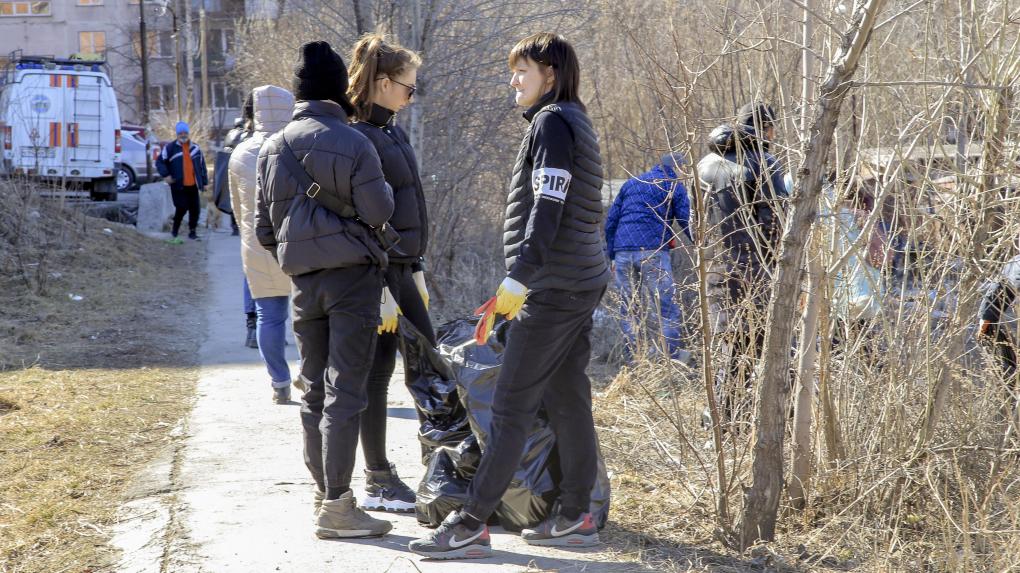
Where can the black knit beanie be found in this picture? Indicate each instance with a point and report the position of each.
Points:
(320, 74)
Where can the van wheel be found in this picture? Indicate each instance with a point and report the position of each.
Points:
(125, 178)
(104, 190)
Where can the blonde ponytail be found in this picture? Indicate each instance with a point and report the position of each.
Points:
(371, 58)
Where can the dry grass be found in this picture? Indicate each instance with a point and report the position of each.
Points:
(89, 390)
(873, 512)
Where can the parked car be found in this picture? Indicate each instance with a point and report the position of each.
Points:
(131, 170)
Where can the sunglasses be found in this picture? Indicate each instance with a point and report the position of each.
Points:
(410, 89)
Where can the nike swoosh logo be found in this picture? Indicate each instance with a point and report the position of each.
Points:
(458, 543)
(556, 533)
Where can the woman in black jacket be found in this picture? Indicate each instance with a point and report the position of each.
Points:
(556, 274)
(383, 77)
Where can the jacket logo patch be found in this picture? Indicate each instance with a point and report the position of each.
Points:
(550, 183)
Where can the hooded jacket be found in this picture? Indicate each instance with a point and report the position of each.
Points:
(410, 214)
(305, 236)
(273, 109)
(746, 202)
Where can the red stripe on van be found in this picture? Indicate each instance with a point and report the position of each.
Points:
(72, 135)
(54, 134)
(56, 81)
(72, 81)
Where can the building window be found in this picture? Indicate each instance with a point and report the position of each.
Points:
(162, 97)
(92, 42)
(90, 2)
(225, 96)
(21, 8)
(161, 44)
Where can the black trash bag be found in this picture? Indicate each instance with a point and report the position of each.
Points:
(221, 182)
(441, 491)
(432, 385)
(533, 488)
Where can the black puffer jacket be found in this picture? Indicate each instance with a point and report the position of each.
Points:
(746, 200)
(304, 235)
(410, 214)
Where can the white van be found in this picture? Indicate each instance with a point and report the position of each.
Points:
(59, 121)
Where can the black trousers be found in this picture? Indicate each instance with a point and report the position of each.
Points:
(336, 313)
(373, 420)
(185, 201)
(547, 352)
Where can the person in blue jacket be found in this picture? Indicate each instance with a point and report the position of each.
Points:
(639, 235)
(182, 165)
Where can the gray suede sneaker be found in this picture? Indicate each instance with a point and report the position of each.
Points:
(343, 518)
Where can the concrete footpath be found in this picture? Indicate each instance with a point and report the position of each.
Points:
(235, 495)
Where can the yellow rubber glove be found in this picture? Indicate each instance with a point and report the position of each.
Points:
(389, 311)
(419, 281)
(510, 298)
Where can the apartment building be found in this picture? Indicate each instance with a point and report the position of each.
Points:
(110, 28)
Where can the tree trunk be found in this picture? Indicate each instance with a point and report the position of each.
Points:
(802, 451)
(798, 487)
(362, 21)
(761, 499)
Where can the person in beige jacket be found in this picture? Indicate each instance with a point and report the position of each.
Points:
(270, 287)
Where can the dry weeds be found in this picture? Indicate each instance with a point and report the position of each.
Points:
(90, 389)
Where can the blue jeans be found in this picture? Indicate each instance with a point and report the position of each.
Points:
(643, 276)
(271, 331)
(249, 303)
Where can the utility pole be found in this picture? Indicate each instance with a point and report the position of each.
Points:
(189, 55)
(143, 35)
(204, 55)
(177, 60)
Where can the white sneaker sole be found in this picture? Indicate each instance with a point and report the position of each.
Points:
(379, 504)
(572, 540)
(469, 552)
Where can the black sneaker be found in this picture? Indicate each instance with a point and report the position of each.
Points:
(193, 236)
(559, 531)
(281, 395)
(454, 540)
(384, 491)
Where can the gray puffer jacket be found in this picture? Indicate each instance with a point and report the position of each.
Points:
(303, 235)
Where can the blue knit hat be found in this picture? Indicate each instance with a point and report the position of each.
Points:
(181, 127)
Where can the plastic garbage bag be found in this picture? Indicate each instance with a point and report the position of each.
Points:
(434, 390)
(221, 183)
(442, 490)
(533, 489)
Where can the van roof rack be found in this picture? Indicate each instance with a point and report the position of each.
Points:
(17, 59)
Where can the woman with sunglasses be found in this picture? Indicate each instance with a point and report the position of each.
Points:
(383, 76)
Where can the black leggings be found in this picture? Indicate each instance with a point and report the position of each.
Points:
(373, 419)
(185, 201)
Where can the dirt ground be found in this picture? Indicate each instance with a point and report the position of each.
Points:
(98, 340)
